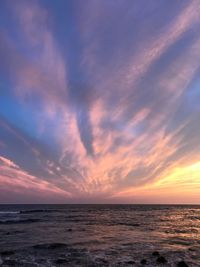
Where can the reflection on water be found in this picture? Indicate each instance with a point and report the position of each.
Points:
(99, 235)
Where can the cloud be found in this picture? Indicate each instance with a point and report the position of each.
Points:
(112, 88)
(17, 182)
(36, 158)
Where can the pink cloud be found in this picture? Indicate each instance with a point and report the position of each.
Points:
(16, 180)
(125, 155)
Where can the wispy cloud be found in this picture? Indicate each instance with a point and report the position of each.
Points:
(100, 102)
(21, 185)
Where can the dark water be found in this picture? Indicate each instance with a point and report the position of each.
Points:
(98, 235)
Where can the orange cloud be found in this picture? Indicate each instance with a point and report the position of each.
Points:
(180, 184)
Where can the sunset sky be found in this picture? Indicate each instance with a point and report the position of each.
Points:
(100, 101)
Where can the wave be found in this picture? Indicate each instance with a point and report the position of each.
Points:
(9, 212)
(193, 217)
(50, 246)
(27, 211)
(128, 224)
(182, 231)
(17, 221)
(37, 211)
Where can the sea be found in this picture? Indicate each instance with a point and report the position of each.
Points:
(99, 235)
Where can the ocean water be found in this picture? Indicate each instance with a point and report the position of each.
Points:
(99, 235)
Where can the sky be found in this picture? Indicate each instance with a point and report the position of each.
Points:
(99, 101)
